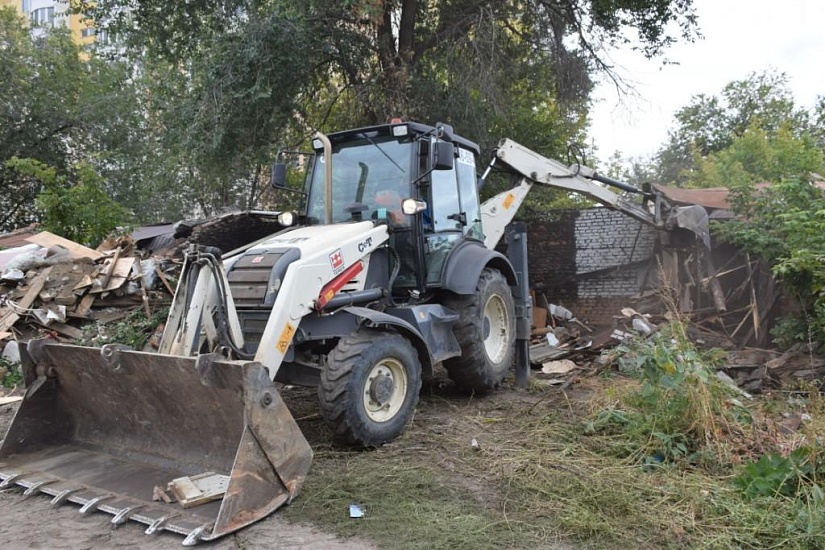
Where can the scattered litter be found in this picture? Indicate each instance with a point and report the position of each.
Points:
(560, 312)
(474, 444)
(641, 325)
(11, 352)
(355, 511)
(558, 367)
(552, 341)
(621, 335)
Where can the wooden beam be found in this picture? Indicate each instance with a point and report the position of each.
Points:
(77, 251)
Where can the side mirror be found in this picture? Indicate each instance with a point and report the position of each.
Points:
(278, 175)
(444, 155)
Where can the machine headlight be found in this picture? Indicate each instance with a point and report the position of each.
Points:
(287, 218)
(412, 206)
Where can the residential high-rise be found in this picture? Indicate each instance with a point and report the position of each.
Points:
(54, 13)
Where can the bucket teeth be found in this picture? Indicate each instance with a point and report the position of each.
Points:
(92, 505)
(159, 524)
(61, 497)
(196, 534)
(34, 487)
(124, 515)
(10, 480)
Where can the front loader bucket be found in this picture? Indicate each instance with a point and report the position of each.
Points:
(105, 428)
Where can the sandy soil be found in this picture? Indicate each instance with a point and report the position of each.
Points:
(33, 523)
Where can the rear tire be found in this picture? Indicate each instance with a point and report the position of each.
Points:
(486, 332)
(369, 388)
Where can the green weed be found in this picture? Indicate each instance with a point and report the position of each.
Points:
(12, 375)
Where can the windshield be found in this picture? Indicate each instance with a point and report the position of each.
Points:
(370, 178)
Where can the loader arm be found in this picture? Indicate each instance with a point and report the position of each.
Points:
(535, 169)
(203, 317)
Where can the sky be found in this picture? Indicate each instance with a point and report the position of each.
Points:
(740, 37)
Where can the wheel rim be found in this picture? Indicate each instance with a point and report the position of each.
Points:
(385, 390)
(496, 328)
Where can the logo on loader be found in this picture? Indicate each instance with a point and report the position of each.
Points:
(336, 260)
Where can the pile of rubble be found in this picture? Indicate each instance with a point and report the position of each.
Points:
(562, 346)
(51, 285)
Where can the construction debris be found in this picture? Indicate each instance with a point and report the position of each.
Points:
(52, 285)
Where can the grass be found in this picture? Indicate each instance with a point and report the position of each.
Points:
(613, 462)
(10, 374)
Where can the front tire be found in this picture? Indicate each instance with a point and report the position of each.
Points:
(486, 332)
(369, 388)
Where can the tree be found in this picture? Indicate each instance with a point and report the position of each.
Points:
(234, 80)
(60, 110)
(758, 108)
(758, 157)
(75, 205)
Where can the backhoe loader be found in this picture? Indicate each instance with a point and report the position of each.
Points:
(388, 269)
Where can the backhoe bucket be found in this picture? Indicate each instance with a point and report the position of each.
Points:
(109, 429)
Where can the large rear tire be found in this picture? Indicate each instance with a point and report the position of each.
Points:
(369, 388)
(486, 332)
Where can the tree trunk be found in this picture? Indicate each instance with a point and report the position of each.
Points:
(395, 54)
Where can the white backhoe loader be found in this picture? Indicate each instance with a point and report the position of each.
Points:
(389, 269)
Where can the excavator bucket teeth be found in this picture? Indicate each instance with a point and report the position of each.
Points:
(124, 432)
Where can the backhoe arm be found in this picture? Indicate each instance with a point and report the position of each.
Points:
(533, 168)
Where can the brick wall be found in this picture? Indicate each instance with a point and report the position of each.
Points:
(590, 261)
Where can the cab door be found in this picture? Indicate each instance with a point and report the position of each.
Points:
(454, 212)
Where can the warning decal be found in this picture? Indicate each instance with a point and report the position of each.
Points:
(286, 337)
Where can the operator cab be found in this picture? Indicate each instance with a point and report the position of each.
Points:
(376, 169)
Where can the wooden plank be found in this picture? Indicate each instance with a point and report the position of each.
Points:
(10, 399)
(164, 280)
(77, 251)
(84, 306)
(195, 490)
(7, 316)
(118, 275)
(64, 329)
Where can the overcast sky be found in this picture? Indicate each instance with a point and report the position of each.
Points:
(740, 37)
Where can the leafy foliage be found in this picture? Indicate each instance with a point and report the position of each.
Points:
(12, 376)
(752, 131)
(75, 206)
(681, 413)
(232, 81)
(774, 474)
(785, 224)
(60, 109)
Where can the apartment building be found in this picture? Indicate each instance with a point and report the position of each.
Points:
(55, 13)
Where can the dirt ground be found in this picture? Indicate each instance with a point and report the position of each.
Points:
(33, 523)
(445, 421)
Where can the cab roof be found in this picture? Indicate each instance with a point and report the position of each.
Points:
(414, 127)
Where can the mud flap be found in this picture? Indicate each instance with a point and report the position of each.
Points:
(104, 428)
